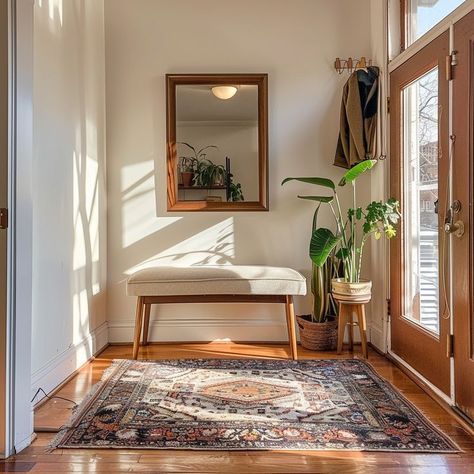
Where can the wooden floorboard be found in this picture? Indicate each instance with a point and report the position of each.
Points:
(54, 413)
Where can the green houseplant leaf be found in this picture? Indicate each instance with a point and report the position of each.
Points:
(318, 198)
(323, 241)
(327, 183)
(356, 171)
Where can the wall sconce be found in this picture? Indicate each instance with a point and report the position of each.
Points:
(224, 92)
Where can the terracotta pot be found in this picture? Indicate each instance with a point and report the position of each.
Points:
(356, 292)
(187, 177)
(317, 336)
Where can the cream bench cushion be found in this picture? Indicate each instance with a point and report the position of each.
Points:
(216, 280)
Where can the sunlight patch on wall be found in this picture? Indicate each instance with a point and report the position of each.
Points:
(139, 218)
(80, 320)
(55, 9)
(212, 246)
(85, 211)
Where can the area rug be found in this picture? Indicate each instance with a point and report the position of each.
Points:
(249, 404)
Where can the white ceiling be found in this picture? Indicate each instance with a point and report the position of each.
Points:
(198, 103)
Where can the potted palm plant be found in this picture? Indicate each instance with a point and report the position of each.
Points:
(342, 250)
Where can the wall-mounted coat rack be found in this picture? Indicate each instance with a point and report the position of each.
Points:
(351, 64)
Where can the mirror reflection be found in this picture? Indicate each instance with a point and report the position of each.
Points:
(217, 142)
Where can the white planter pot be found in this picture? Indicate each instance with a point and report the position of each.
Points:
(356, 292)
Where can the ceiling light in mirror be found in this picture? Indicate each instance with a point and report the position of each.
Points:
(224, 92)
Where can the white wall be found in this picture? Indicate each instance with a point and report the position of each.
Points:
(378, 251)
(295, 43)
(69, 213)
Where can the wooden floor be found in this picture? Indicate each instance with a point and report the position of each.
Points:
(54, 413)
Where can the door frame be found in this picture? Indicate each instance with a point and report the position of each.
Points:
(18, 406)
(5, 395)
(463, 177)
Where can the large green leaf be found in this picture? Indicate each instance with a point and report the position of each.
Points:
(318, 198)
(356, 171)
(327, 183)
(317, 288)
(322, 243)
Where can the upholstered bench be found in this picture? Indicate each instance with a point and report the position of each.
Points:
(214, 284)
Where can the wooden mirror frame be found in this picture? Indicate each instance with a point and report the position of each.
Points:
(173, 80)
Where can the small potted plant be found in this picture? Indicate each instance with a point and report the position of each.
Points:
(189, 165)
(209, 174)
(343, 249)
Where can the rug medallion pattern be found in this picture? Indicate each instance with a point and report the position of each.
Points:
(249, 404)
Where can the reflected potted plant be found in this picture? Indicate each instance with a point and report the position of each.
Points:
(340, 253)
(209, 174)
(235, 190)
(189, 165)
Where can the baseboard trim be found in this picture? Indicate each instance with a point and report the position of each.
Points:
(377, 339)
(204, 330)
(25, 443)
(441, 400)
(60, 368)
(253, 330)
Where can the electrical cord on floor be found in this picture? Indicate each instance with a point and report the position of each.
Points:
(40, 390)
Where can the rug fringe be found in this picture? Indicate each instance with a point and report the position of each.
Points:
(412, 406)
(78, 409)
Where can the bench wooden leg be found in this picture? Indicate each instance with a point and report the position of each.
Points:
(146, 324)
(290, 322)
(138, 326)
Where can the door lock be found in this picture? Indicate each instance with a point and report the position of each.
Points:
(3, 218)
(451, 227)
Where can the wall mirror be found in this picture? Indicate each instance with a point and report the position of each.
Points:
(217, 142)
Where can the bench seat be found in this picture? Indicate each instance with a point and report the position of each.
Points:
(216, 280)
(213, 283)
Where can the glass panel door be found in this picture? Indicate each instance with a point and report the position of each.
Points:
(420, 154)
(419, 176)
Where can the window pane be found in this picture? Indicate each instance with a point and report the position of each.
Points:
(420, 165)
(424, 14)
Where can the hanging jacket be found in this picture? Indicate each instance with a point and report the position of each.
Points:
(358, 121)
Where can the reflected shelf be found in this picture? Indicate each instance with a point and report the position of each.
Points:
(180, 186)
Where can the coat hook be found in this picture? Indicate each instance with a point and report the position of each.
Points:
(351, 64)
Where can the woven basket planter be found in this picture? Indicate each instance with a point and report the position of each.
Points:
(317, 336)
(356, 292)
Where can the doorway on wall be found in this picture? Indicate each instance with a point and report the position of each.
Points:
(431, 278)
(4, 326)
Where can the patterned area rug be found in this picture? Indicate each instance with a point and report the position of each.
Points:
(249, 404)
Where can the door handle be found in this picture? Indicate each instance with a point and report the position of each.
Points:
(451, 227)
(456, 228)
